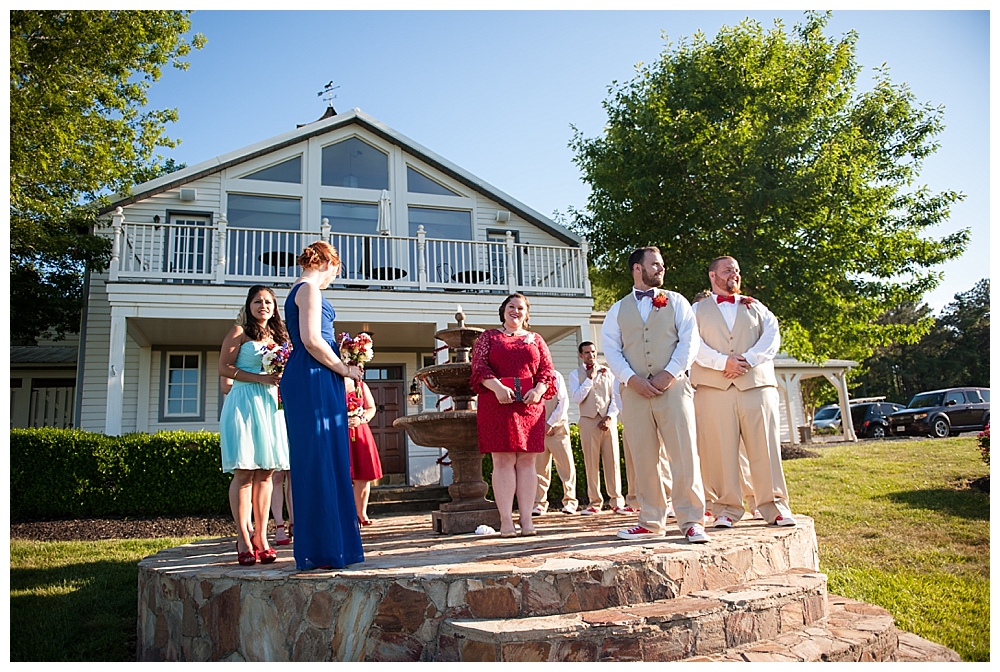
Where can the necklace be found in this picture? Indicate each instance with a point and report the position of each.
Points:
(507, 332)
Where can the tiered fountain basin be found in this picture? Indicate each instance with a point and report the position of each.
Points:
(416, 588)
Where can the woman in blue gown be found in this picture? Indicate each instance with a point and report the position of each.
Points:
(313, 391)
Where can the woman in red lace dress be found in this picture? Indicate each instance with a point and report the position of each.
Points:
(512, 374)
(365, 464)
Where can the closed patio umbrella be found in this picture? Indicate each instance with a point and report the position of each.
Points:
(384, 228)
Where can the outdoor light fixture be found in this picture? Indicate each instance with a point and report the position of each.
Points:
(414, 395)
(503, 216)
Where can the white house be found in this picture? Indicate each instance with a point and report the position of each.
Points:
(417, 234)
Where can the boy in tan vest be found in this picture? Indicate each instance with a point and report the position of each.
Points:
(650, 339)
(592, 387)
(557, 447)
(738, 399)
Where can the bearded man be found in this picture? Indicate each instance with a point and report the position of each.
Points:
(737, 398)
(650, 340)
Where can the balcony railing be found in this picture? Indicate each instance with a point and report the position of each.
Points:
(218, 254)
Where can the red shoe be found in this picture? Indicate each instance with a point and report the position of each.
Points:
(246, 558)
(365, 522)
(267, 556)
(281, 542)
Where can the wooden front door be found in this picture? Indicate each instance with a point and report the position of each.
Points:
(390, 403)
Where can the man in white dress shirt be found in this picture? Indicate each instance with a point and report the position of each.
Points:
(650, 340)
(557, 447)
(592, 387)
(737, 399)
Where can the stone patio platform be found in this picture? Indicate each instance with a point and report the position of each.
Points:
(419, 594)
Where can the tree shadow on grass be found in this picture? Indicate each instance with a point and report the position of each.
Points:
(967, 503)
(77, 612)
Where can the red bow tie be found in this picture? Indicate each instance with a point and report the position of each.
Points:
(725, 299)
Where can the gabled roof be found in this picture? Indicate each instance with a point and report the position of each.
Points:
(326, 125)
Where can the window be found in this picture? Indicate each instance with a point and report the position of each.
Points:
(354, 163)
(182, 388)
(264, 212)
(189, 245)
(359, 218)
(418, 183)
(383, 373)
(444, 224)
(287, 171)
(973, 397)
(954, 397)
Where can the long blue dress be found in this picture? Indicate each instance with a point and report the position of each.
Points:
(315, 401)
(251, 427)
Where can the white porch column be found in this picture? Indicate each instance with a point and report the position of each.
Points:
(422, 258)
(116, 374)
(142, 399)
(843, 398)
(117, 224)
(784, 382)
(584, 250)
(511, 261)
(223, 250)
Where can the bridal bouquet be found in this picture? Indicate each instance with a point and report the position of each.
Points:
(357, 350)
(274, 357)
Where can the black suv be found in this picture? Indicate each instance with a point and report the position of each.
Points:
(943, 413)
(871, 419)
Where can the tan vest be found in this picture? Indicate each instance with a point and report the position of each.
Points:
(747, 329)
(550, 406)
(599, 399)
(647, 347)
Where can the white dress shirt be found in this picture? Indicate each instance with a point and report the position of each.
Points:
(764, 350)
(561, 412)
(578, 390)
(684, 323)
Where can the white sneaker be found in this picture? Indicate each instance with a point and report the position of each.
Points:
(538, 511)
(569, 510)
(784, 521)
(723, 521)
(670, 510)
(756, 515)
(639, 532)
(695, 534)
(590, 511)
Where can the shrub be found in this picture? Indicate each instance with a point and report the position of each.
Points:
(983, 441)
(69, 473)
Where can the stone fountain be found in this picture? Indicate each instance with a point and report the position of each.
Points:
(455, 430)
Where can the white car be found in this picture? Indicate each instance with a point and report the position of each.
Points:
(827, 416)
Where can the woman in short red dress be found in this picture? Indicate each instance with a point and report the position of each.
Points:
(512, 374)
(365, 465)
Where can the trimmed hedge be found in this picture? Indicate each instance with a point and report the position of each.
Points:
(69, 473)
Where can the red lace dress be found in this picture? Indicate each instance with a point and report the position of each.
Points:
(365, 465)
(516, 427)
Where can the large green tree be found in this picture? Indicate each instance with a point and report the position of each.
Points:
(759, 145)
(79, 131)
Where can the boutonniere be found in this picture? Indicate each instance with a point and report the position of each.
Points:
(530, 338)
(746, 300)
(659, 301)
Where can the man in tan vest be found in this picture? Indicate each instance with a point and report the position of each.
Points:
(737, 399)
(592, 387)
(557, 447)
(650, 340)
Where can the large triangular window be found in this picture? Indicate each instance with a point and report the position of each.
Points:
(354, 163)
(287, 171)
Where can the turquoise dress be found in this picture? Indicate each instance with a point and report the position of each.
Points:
(251, 427)
(326, 519)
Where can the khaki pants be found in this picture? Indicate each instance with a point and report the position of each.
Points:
(558, 448)
(724, 418)
(596, 446)
(631, 499)
(665, 424)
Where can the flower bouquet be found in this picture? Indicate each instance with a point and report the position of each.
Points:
(357, 350)
(273, 358)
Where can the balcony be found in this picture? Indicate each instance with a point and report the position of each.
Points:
(220, 254)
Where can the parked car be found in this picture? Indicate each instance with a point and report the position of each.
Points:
(942, 413)
(826, 416)
(871, 419)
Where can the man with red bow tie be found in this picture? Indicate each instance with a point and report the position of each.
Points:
(591, 386)
(650, 339)
(737, 397)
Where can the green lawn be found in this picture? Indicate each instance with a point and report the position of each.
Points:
(897, 526)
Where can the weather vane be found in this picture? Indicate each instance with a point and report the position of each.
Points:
(328, 91)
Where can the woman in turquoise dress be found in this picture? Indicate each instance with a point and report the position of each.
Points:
(251, 426)
(314, 390)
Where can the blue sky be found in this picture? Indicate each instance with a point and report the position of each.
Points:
(497, 91)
